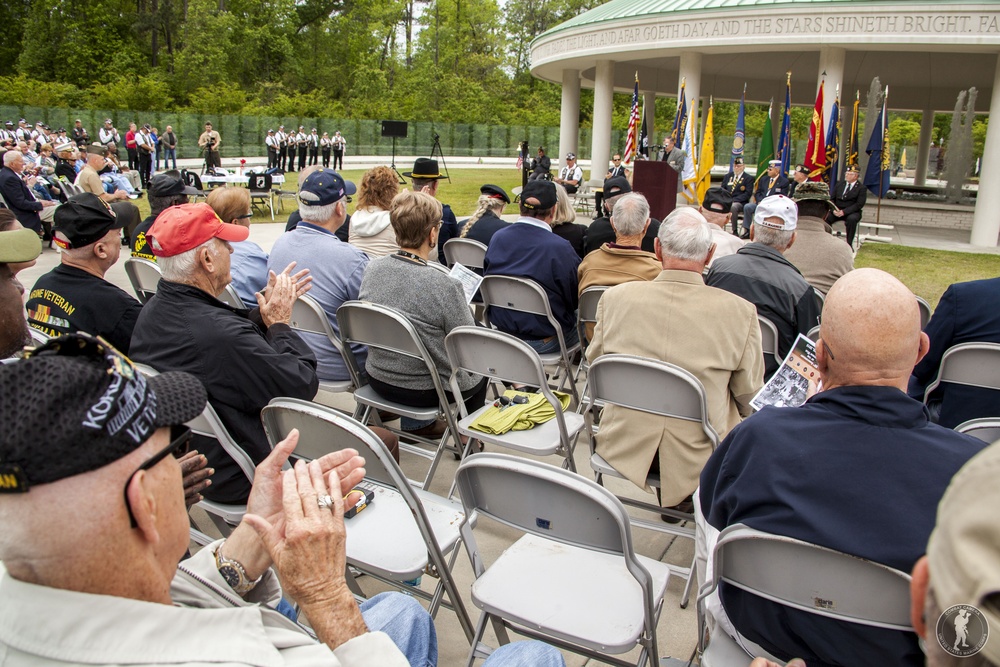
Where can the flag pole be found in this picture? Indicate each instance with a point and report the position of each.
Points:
(881, 161)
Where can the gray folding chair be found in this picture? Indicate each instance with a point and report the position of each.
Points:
(387, 329)
(144, 276)
(769, 339)
(38, 337)
(802, 576)
(503, 357)
(260, 186)
(308, 317)
(231, 298)
(587, 314)
(527, 296)
(573, 580)
(405, 531)
(466, 252)
(820, 299)
(970, 364)
(986, 429)
(925, 311)
(658, 388)
(813, 334)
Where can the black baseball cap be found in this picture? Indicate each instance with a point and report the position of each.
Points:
(166, 184)
(76, 404)
(617, 185)
(84, 219)
(717, 200)
(543, 192)
(495, 191)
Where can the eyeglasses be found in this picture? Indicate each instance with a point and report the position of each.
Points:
(179, 446)
(244, 217)
(616, 159)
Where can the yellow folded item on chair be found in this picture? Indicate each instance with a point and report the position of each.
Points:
(518, 416)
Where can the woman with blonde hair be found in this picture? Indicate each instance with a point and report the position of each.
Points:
(486, 222)
(565, 225)
(371, 230)
(248, 263)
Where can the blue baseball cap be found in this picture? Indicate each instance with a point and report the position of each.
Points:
(324, 187)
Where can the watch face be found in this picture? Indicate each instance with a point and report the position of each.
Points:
(230, 574)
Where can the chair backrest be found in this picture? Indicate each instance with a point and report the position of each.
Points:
(986, 429)
(309, 317)
(811, 578)
(521, 294)
(820, 299)
(587, 310)
(768, 337)
(259, 182)
(466, 252)
(192, 179)
(813, 334)
(650, 386)
(971, 364)
(39, 337)
(230, 297)
(144, 276)
(925, 311)
(495, 354)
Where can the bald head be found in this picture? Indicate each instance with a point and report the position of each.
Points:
(870, 330)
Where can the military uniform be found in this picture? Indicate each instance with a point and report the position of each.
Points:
(740, 187)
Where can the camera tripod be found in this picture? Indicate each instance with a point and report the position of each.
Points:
(436, 149)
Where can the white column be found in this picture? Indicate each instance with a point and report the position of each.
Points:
(649, 103)
(600, 151)
(986, 222)
(569, 119)
(831, 61)
(690, 71)
(924, 147)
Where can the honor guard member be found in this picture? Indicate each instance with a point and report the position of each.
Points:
(773, 182)
(271, 142)
(282, 146)
(313, 147)
(325, 145)
(302, 143)
(339, 145)
(739, 184)
(7, 134)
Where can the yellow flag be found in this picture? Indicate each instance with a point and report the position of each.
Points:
(902, 159)
(707, 158)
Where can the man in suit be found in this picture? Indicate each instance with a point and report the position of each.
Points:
(967, 313)
(617, 169)
(739, 184)
(28, 210)
(773, 182)
(709, 332)
(848, 199)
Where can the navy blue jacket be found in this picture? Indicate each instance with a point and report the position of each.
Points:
(526, 251)
(482, 230)
(968, 312)
(450, 229)
(856, 469)
(19, 199)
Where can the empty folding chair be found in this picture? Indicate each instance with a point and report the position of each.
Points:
(468, 253)
(260, 191)
(308, 317)
(573, 580)
(144, 276)
(405, 531)
(969, 364)
(802, 576)
(925, 311)
(503, 357)
(986, 429)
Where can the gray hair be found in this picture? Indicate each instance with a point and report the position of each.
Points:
(180, 268)
(774, 238)
(319, 214)
(685, 235)
(564, 207)
(10, 157)
(630, 214)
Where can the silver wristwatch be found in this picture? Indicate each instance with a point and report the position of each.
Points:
(234, 574)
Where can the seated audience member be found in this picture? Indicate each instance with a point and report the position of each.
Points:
(30, 212)
(88, 178)
(858, 468)
(166, 189)
(248, 263)
(119, 176)
(244, 358)
(336, 267)
(541, 166)
(370, 228)
(529, 249)
(571, 175)
(760, 274)
(817, 254)
(293, 220)
(678, 319)
(600, 230)
(565, 224)
(432, 301)
(18, 249)
(65, 162)
(967, 313)
(717, 208)
(426, 177)
(75, 296)
(486, 221)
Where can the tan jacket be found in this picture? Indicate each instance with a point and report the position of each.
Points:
(711, 333)
(613, 266)
(820, 256)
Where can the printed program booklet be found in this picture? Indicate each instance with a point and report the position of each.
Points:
(795, 380)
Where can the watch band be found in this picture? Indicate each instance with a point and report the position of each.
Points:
(234, 574)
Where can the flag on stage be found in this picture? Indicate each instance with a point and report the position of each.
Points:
(833, 146)
(520, 161)
(739, 137)
(643, 135)
(631, 139)
(766, 153)
(785, 138)
(877, 173)
(680, 120)
(706, 158)
(851, 154)
(902, 159)
(690, 172)
(815, 160)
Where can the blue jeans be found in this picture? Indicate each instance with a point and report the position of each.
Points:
(169, 154)
(533, 653)
(748, 210)
(407, 623)
(571, 335)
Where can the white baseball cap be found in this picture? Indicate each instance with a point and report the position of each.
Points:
(777, 206)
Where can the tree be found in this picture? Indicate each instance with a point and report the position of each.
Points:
(902, 133)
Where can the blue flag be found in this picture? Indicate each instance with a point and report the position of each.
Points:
(680, 120)
(832, 147)
(877, 173)
(785, 138)
(739, 138)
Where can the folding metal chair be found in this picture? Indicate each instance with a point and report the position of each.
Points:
(583, 198)
(144, 276)
(260, 190)
(820, 299)
(466, 252)
(503, 357)
(308, 317)
(230, 297)
(802, 576)
(813, 334)
(587, 314)
(405, 531)
(769, 339)
(986, 429)
(658, 388)
(193, 180)
(387, 329)
(573, 580)
(925, 311)
(527, 296)
(970, 364)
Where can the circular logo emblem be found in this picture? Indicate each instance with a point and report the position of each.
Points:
(962, 630)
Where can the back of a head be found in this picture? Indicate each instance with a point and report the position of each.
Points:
(377, 188)
(871, 325)
(685, 235)
(412, 215)
(564, 207)
(630, 214)
(230, 203)
(304, 174)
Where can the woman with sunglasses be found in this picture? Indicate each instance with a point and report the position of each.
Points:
(248, 263)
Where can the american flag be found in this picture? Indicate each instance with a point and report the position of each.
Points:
(633, 122)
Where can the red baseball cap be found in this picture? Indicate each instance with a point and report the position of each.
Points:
(181, 228)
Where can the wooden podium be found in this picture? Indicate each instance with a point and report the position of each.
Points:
(657, 182)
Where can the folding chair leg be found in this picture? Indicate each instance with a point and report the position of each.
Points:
(474, 648)
(687, 586)
(353, 585)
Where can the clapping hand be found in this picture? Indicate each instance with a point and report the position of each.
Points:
(279, 295)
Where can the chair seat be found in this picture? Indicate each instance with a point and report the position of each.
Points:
(368, 396)
(231, 514)
(599, 465)
(580, 596)
(335, 386)
(553, 358)
(384, 539)
(724, 651)
(540, 440)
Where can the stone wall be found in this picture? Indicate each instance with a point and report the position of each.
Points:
(894, 212)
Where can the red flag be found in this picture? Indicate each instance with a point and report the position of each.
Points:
(815, 160)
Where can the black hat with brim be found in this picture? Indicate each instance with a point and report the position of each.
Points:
(425, 168)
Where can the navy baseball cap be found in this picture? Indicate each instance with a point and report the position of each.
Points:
(323, 187)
